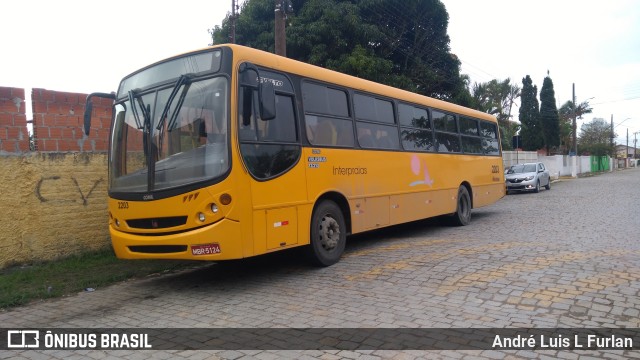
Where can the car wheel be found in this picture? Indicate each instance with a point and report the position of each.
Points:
(537, 189)
(462, 216)
(328, 234)
(548, 187)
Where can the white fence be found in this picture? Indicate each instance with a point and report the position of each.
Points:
(518, 157)
(558, 165)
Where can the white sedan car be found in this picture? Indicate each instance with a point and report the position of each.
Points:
(527, 177)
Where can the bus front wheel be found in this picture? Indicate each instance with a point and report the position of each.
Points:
(328, 234)
(462, 216)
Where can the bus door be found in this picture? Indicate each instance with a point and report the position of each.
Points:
(271, 150)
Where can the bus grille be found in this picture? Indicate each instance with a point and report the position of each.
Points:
(158, 249)
(157, 223)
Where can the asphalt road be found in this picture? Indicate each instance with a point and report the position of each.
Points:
(564, 258)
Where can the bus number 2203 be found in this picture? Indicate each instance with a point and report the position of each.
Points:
(123, 204)
(495, 169)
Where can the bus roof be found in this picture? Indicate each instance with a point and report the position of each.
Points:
(270, 60)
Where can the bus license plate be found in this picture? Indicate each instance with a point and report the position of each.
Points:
(205, 249)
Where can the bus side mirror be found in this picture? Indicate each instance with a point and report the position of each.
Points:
(267, 94)
(88, 108)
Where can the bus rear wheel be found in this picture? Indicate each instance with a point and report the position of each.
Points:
(328, 234)
(462, 216)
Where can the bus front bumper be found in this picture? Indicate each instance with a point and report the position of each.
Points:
(219, 241)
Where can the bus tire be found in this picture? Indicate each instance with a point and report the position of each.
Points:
(328, 234)
(462, 216)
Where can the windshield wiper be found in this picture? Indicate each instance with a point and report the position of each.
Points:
(145, 112)
(182, 80)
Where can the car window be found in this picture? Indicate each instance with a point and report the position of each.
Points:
(523, 168)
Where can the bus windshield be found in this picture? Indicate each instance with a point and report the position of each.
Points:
(169, 137)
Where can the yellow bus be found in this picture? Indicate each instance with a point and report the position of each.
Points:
(230, 152)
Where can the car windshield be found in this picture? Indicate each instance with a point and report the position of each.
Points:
(522, 168)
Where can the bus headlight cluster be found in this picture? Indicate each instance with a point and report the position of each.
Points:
(225, 199)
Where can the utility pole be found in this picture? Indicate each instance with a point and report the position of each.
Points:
(281, 40)
(575, 124)
(574, 171)
(635, 140)
(234, 16)
(613, 149)
(626, 153)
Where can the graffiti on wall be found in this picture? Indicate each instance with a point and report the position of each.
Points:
(49, 189)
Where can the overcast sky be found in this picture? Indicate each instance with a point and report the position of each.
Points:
(85, 46)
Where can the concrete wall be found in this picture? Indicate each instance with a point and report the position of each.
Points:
(54, 200)
(53, 205)
(558, 165)
(518, 157)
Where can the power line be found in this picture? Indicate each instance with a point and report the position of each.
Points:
(619, 100)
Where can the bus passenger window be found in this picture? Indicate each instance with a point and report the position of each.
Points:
(329, 131)
(327, 119)
(326, 132)
(365, 138)
(444, 122)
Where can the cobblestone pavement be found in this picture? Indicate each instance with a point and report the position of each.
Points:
(568, 257)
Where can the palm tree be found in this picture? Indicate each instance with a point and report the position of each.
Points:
(566, 122)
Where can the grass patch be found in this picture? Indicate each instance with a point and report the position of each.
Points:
(22, 284)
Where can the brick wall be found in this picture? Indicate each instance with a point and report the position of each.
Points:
(14, 137)
(54, 199)
(58, 122)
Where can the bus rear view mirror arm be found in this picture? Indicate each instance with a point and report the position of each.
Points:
(89, 108)
(266, 93)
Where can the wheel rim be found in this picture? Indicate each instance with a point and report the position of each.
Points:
(329, 233)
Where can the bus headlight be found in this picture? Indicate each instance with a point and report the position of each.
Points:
(214, 208)
(201, 217)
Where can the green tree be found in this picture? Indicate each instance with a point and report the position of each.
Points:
(497, 98)
(402, 44)
(549, 118)
(595, 138)
(566, 122)
(530, 127)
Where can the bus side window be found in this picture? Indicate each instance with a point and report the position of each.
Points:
(327, 120)
(365, 138)
(246, 128)
(326, 133)
(269, 148)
